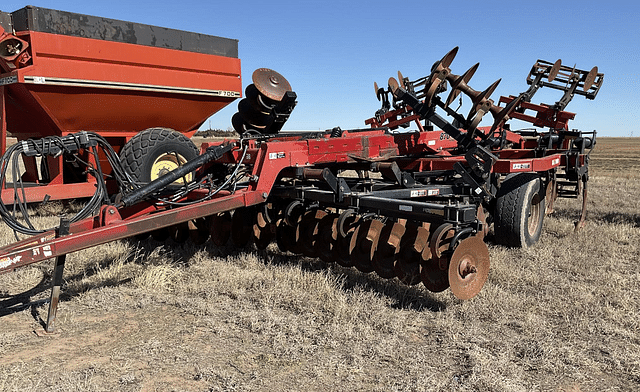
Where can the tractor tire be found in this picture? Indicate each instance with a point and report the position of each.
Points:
(519, 213)
(156, 151)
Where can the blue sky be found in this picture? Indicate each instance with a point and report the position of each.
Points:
(332, 51)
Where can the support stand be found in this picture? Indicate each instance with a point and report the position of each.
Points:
(62, 230)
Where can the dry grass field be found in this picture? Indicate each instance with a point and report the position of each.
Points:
(563, 315)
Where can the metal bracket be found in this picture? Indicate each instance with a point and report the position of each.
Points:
(62, 230)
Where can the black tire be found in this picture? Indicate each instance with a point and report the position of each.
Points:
(519, 212)
(141, 153)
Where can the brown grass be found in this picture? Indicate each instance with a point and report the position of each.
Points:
(561, 316)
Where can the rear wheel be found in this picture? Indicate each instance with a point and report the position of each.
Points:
(155, 152)
(519, 214)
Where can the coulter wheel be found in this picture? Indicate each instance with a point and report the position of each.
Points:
(469, 268)
(155, 152)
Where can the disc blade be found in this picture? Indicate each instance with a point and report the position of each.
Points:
(469, 268)
(553, 72)
(448, 58)
(591, 77)
(220, 228)
(241, 226)
(270, 83)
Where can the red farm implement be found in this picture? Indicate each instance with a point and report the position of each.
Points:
(412, 204)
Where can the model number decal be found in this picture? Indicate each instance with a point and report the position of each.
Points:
(8, 80)
(555, 162)
(520, 166)
(277, 155)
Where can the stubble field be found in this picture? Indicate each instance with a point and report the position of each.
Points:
(563, 315)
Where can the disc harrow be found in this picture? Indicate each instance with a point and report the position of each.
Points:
(414, 205)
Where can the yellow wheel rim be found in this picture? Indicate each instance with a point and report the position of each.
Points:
(166, 163)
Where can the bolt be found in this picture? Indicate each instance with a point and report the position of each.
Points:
(111, 211)
(274, 80)
(265, 195)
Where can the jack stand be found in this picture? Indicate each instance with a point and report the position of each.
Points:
(62, 230)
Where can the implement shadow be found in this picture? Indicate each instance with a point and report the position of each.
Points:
(11, 304)
(403, 296)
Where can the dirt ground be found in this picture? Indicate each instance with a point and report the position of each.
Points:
(563, 315)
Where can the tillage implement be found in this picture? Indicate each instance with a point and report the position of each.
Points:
(412, 196)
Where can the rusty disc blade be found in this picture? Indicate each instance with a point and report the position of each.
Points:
(254, 97)
(590, 79)
(448, 58)
(346, 225)
(161, 234)
(433, 276)
(363, 244)
(285, 236)
(401, 79)
(308, 231)
(180, 232)
(238, 123)
(263, 231)
(199, 230)
(463, 79)
(439, 241)
(407, 266)
(250, 115)
(553, 72)
(469, 268)
(241, 226)
(327, 238)
(388, 248)
(270, 83)
(393, 85)
(220, 228)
